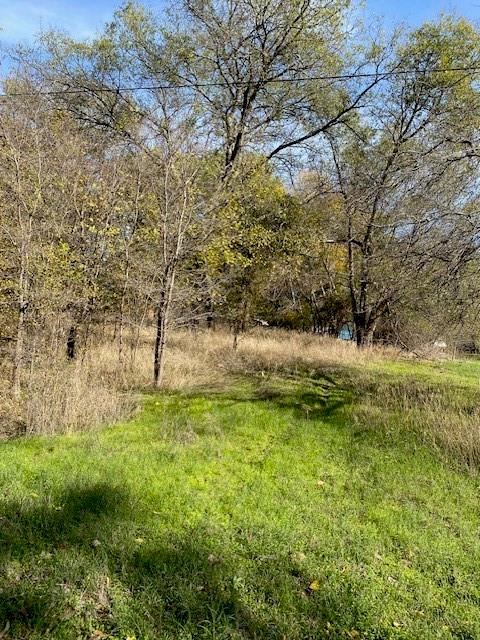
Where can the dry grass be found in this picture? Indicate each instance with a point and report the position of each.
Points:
(206, 356)
(198, 359)
(445, 416)
(455, 433)
(62, 397)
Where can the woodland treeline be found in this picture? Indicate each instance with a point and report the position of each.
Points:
(232, 161)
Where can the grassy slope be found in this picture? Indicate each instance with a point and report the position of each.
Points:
(263, 511)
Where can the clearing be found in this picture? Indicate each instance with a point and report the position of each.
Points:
(272, 507)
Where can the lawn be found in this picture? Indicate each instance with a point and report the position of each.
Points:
(265, 509)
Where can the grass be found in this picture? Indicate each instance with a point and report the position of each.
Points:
(97, 388)
(281, 505)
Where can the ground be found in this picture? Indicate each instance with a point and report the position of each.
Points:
(267, 508)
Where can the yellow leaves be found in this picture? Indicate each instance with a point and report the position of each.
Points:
(220, 254)
(314, 585)
(337, 257)
(112, 232)
(441, 45)
(149, 235)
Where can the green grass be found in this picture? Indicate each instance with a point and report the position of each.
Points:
(465, 373)
(262, 511)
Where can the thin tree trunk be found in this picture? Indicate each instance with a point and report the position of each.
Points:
(235, 336)
(72, 342)
(241, 322)
(20, 338)
(122, 308)
(18, 355)
(121, 327)
(163, 310)
(369, 332)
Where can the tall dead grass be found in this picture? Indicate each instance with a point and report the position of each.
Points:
(198, 359)
(61, 396)
(445, 416)
(210, 354)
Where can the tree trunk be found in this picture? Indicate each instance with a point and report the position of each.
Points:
(20, 338)
(163, 310)
(359, 323)
(72, 342)
(160, 341)
(364, 328)
(236, 331)
(18, 355)
(122, 311)
(211, 316)
(240, 324)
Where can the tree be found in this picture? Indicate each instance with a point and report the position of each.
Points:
(271, 75)
(392, 167)
(155, 124)
(250, 236)
(306, 285)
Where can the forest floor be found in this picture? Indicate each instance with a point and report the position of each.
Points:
(284, 505)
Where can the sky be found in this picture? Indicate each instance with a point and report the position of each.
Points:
(414, 12)
(21, 19)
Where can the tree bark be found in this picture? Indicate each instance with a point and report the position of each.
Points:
(163, 310)
(359, 322)
(72, 342)
(18, 355)
(22, 312)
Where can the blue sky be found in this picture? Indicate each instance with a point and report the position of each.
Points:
(414, 12)
(20, 19)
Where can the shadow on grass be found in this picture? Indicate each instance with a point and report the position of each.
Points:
(188, 587)
(373, 410)
(329, 392)
(202, 591)
(70, 519)
(32, 537)
(316, 395)
(191, 586)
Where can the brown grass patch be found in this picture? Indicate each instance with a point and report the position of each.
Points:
(99, 388)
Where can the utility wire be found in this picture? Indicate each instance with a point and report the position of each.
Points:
(239, 83)
(381, 75)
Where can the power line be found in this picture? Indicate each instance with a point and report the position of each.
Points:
(381, 75)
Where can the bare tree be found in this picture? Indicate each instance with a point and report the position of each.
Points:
(401, 193)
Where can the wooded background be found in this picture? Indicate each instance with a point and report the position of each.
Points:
(236, 162)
